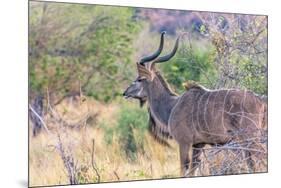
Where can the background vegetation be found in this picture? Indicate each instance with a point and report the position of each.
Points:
(82, 57)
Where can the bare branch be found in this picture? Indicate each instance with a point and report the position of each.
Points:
(68, 162)
(93, 161)
(40, 118)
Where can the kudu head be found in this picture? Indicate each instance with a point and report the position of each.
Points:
(147, 72)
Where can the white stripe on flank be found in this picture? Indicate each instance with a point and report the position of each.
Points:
(172, 113)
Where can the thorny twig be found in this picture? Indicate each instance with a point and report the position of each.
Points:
(235, 148)
(93, 161)
(68, 162)
(66, 155)
(116, 175)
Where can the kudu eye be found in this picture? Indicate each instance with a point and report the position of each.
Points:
(140, 79)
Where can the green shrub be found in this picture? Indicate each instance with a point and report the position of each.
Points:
(190, 64)
(131, 126)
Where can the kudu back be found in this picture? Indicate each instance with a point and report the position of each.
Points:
(198, 116)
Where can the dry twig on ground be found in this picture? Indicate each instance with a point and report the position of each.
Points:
(94, 166)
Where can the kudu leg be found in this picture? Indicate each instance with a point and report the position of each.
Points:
(185, 158)
(197, 150)
(249, 154)
(250, 162)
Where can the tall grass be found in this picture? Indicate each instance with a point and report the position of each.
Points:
(123, 149)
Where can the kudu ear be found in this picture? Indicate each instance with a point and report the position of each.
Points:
(144, 72)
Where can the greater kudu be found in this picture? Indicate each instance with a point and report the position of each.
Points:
(198, 116)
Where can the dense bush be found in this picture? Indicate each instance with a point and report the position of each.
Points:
(75, 46)
(191, 63)
(129, 130)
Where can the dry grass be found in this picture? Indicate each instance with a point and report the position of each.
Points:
(47, 167)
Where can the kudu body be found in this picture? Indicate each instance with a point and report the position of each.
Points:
(198, 116)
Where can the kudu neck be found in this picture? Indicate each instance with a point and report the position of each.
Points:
(161, 99)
